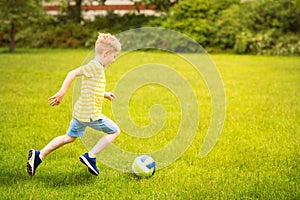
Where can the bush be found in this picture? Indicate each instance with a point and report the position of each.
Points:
(114, 23)
(270, 27)
(60, 32)
(63, 35)
(227, 26)
(242, 42)
(205, 21)
(281, 15)
(161, 39)
(287, 45)
(256, 27)
(267, 43)
(190, 18)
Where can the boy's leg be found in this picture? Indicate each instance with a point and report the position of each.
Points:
(35, 157)
(76, 129)
(55, 144)
(102, 144)
(107, 126)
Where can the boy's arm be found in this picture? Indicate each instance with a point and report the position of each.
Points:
(57, 98)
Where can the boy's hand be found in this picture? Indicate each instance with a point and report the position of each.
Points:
(110, 96)
(56, 99)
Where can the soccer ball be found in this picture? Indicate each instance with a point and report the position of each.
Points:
(144, 166)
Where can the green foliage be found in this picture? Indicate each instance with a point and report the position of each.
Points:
(49, 33)
(242, 42)
(190, 17)
(282, 16)
(207, 22)
(252, 27)
(161, 5)
(19, 11)
(14, 15)
(172, 41)
(62, 33)
(115, 23)
(257, 27)
(287, 45)
(274, 27)
(266, 43)
(227, 25)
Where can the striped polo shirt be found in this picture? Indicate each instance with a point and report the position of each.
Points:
(89, 105)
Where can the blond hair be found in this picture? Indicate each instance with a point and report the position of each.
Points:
(106, 41)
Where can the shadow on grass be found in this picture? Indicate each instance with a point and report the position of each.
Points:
(68, 179)
(49, 179)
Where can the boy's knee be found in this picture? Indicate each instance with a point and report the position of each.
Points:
(117, 133)
(69, 139)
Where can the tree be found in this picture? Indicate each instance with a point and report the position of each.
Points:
(190, 17)
(13, 13)
(282, 16)
(161, 5)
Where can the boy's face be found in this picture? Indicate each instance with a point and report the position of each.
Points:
(109, 57)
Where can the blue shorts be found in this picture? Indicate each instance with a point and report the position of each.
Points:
(106, 125)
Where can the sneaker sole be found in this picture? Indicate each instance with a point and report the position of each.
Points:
(30, 162)
(86, 162)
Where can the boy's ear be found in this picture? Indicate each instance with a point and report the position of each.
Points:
(106, 53)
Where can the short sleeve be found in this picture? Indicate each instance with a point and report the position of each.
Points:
(91, 69)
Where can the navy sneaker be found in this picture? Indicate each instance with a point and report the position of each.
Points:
(33, 162)
(90, 163)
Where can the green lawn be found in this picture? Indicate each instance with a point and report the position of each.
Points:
(256, 157)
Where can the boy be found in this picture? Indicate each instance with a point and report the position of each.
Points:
(87, 109)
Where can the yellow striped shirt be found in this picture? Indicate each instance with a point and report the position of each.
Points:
(89, 105)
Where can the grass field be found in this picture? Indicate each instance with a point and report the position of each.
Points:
(256, 157)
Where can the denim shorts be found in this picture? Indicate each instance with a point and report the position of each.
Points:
(106, 125)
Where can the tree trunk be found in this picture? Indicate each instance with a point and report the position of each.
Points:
(12, 37)
(78, 11)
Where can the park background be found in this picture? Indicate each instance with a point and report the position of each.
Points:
(236, 26)
(255, 46)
